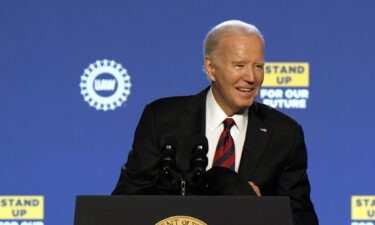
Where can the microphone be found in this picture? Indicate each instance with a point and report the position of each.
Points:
(199, 159)
(168, 154)
(168, 163)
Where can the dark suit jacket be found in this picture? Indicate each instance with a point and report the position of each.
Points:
(274, 154)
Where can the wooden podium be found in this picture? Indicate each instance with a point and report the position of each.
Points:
(184, 210)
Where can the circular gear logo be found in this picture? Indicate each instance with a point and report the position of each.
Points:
(105, 85)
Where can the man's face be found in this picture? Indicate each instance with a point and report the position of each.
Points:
(236, 71)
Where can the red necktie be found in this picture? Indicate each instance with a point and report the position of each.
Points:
(225, 155)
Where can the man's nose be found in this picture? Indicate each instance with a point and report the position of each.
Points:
(249, 74)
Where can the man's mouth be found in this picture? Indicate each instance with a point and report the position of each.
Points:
(245, 90)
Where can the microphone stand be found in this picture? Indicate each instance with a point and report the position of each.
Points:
(183, 185)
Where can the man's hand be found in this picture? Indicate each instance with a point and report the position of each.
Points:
(255, 188)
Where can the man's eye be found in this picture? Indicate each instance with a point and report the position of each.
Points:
(259, 66)
(239, 66)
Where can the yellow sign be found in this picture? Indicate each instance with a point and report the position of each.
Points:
(286, 74)
(180, 220)
(363, 207)
(21, 207)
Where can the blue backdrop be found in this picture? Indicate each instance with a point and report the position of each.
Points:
(52, 143)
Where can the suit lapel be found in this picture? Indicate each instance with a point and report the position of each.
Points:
(257, 136)
(193, 123)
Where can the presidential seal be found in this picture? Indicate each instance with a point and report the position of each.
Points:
(181, 220)
(105, 85)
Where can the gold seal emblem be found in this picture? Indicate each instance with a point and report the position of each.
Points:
(181, 220)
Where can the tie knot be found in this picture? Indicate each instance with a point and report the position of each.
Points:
(228, 123)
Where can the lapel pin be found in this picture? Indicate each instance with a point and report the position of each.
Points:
(263, 129)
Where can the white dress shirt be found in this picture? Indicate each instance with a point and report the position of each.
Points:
(214, 126)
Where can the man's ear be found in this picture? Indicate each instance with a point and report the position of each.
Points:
(209, 67)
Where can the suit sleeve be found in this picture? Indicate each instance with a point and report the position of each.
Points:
(293, 182)
(140, 173)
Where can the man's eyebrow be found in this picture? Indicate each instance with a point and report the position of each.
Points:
(244, 62)
(239, 61)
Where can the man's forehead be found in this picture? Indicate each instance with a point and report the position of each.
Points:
(243, 48)
(240, 42)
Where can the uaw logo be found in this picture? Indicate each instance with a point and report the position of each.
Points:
(181, 220)
(286, 85)
(21, 210)
(363, 209)
(105, 85)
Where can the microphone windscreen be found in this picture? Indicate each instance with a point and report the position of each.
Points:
(200, 140)
(168, 139)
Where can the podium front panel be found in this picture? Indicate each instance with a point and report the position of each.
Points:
(186, 210)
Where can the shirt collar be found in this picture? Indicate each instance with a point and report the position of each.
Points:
(215, 115)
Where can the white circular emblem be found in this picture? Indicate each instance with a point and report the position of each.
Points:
(105, 85)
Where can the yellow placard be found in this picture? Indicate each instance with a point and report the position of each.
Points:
(363, 207)
(286, 74)
(21, 207)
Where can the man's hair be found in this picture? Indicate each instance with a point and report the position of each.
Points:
(227, 28)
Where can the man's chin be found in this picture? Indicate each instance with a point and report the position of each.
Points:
(246, 104)
(243, 107)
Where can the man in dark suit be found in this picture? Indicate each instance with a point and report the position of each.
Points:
(263, 146)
